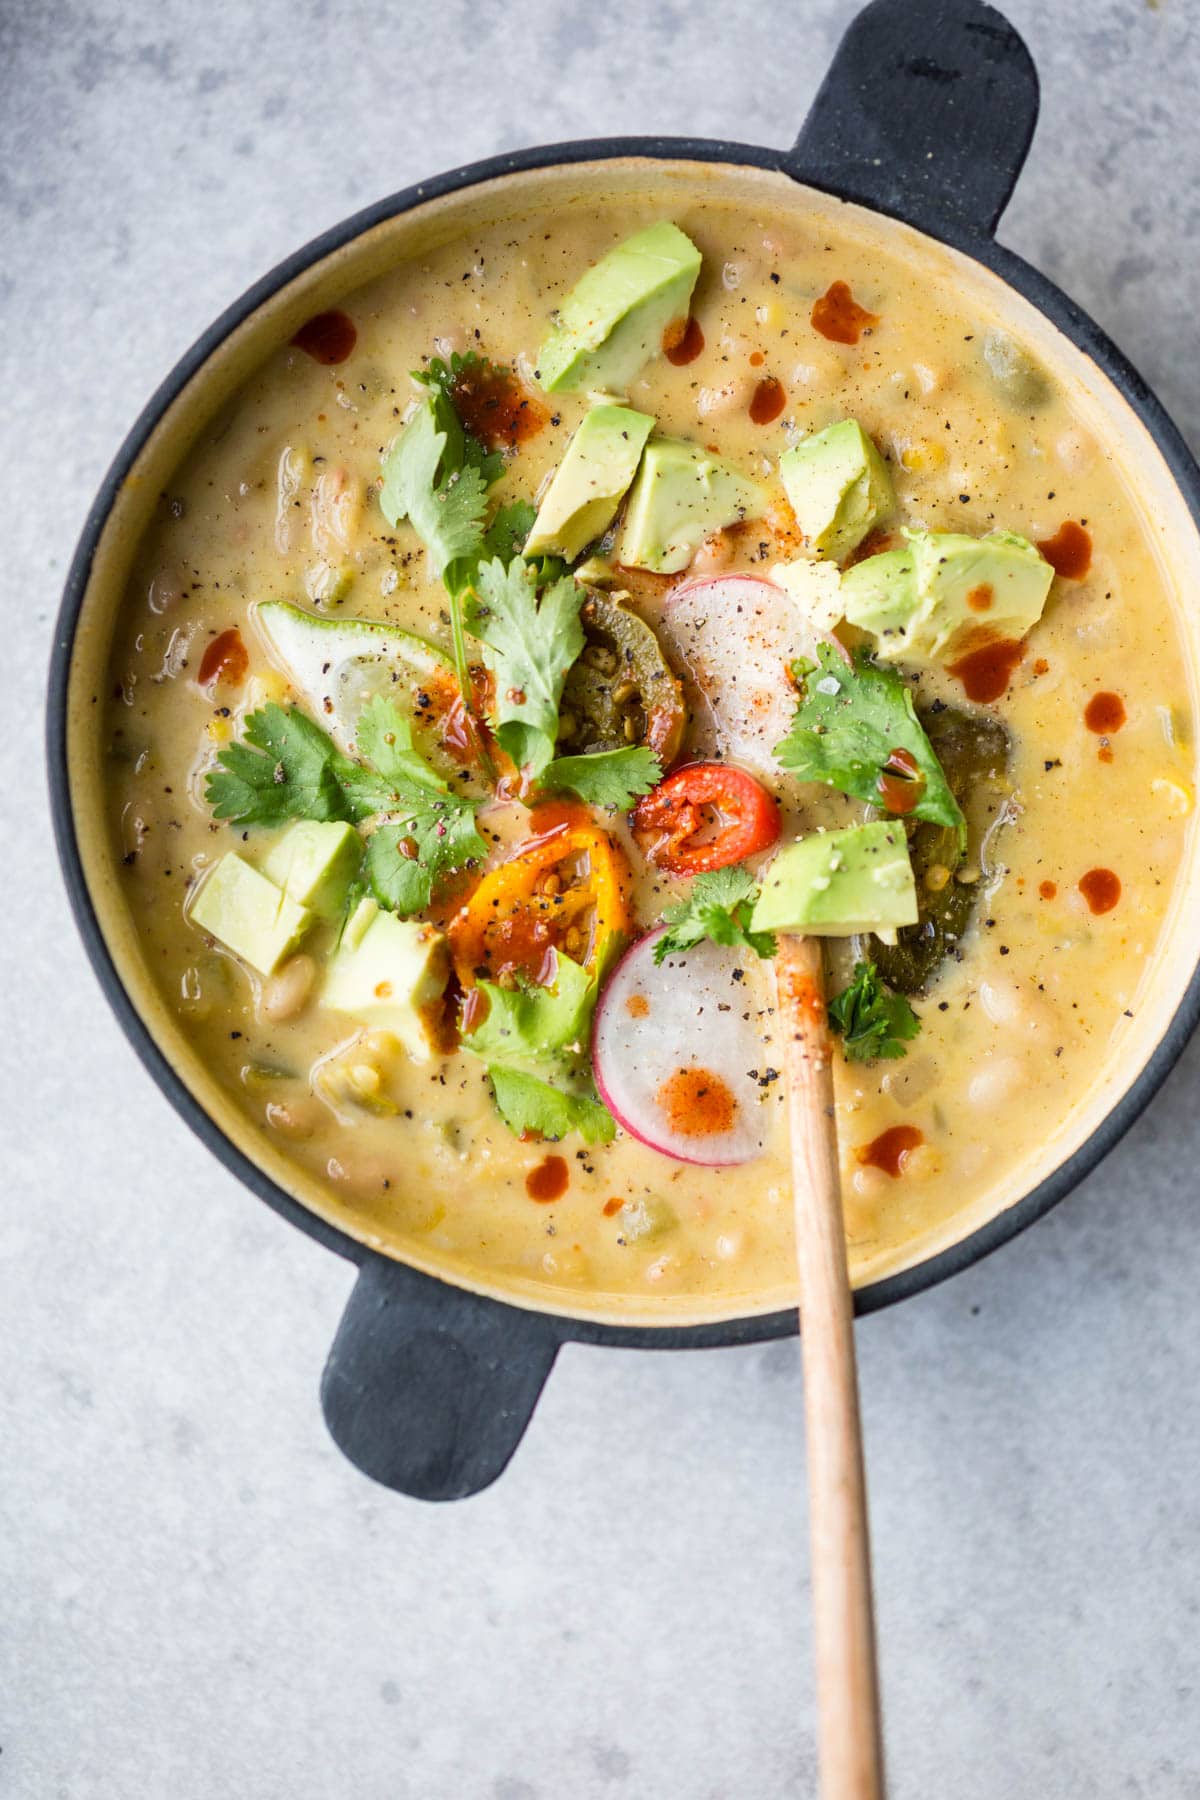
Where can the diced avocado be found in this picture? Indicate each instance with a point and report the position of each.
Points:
(837, 883)
(590, 482)
(921, 602)
(614, 318)
(338, 665)
(681, 496)
(315, 864)
(816, 587)
(390, 974)
(838, 486)
(249, 914)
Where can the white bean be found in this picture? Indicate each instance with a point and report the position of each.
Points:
(995, 1080)
(286, 993)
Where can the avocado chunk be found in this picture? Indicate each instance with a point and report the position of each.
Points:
(391, 975)
(590, 482)
(681, 496)
(315, 864)
(838, 883)
(816, 588)
(944, 589)
(338, 666)
(838, 486)
(613, 320)
(249, 914)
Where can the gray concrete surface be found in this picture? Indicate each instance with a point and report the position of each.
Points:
(198, 1597)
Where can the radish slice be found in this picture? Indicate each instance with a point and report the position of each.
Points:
(735, 637)
(681, 1051)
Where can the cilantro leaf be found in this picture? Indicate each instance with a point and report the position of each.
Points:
(847, 727)
(532, 1107)
(533, 1040)
(529, 1025)
(612, 778)
(871, 1020)
(284, 770)
(508, 530)
(442, 496)
(530, 644)
(429, 828)
(719, 907)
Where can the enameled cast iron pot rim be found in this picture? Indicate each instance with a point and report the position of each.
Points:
(961, 212)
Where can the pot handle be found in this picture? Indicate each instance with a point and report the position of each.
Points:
(428, 1389)
(926, 113)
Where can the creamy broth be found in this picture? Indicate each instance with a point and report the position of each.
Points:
(279, 500)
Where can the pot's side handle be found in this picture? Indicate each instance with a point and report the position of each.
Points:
(428, 1389)
(927, 113)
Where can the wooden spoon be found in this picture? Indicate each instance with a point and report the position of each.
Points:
(850, 1738)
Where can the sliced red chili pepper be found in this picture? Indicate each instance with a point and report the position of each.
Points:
(703, 817)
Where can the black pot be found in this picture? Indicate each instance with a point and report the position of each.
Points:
(925, 115)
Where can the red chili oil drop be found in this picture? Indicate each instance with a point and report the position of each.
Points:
(637, 1006)
(1104, 714)
(612, 1207)
(900, 783)
(980, 598)
(329, 338)
(682, 341)
(1069, 551)
(495, 408)
(768, 400)
(1105, 753)
(225, 659)
(891, 1150)
(838, 316)
(697, 1103)
(986, 671)
(549, 1181)
(1047, 889)
(1101, 889)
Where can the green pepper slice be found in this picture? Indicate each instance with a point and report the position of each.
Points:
(973, 751)
(621, 691)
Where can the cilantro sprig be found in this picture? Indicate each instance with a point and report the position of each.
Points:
(850, 722)
(872, 1021)
(289, 769)
(530, 641)
(719, 907)
(533, 1041)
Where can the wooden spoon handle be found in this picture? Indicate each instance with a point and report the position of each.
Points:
(843, 1615)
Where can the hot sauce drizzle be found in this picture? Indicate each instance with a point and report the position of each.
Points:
(1069, 551)
(697, 1103)
(891, 1149)
(1101, 889)
(328, 338)
(838, 316)
(682, 341)
(1105, 714)
(495, 408)
(549, 1181)
(1047, 889)
(612, 1207)
(980, 598)
(768, 400)
(985, 672)
(900, 783)
(226, 659)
